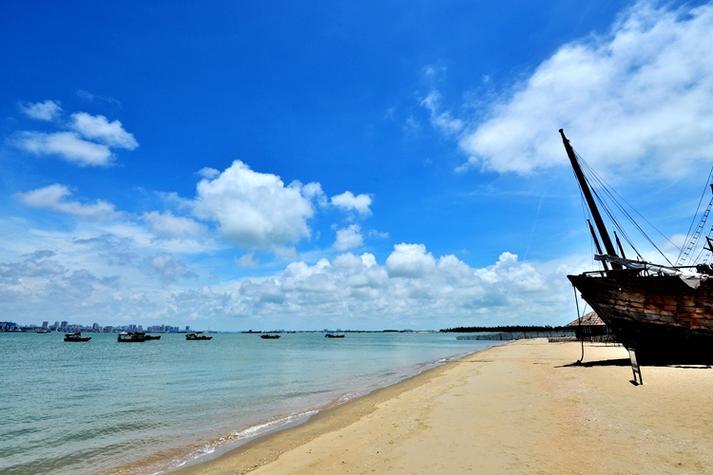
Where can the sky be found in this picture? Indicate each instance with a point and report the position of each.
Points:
(308, 165)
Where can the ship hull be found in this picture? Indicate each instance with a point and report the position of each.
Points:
(662, 318)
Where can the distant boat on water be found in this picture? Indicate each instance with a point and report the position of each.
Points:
(76, 338)
(134, 337)
(267, 336)
(333, 335)
(663, 312)
(197, 336)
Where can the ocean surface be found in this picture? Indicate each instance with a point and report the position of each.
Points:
(101, 406)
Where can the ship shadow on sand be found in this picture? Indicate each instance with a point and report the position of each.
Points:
(627, 362)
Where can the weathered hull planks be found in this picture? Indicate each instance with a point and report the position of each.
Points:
(664, 319)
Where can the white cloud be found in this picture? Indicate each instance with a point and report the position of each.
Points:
(45, 110)
(66, 145)
(97, 127)
(169, 269)
(348, 238)
(440, 119)
(348, 202)
(55, 197)
(168, 224)
(313, 191)
(410, 260)
(84, 274)
(89, 142)
(247, 260)
(208, 172)
(640, 97)
(253, 209)
(436, 290)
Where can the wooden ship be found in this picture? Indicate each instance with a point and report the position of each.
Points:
(663, 312)
(76, 338)
(197, 336)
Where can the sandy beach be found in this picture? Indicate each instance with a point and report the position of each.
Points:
(521, 407)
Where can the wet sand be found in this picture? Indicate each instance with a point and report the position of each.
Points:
(521, 407)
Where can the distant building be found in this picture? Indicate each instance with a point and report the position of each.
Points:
(8, 326)
(45, 325)
(591, 328)
(63, 325)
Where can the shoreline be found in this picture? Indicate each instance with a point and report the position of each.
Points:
(521, 407)
(265, 448)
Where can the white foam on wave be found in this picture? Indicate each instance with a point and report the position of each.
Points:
(240, 437)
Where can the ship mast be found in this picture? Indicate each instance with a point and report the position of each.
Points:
(598, 221)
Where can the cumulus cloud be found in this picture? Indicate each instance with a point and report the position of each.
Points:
(253, 209)
(86, 140)
(348, 238)
(46, 110)
(56, 197)
(639, 97)
(412, 283)
(84, 274)
(99, 128)
(66, 145)
(410, 260)
(208, 172)
(166, 223)
(313, 191)
(348, 202)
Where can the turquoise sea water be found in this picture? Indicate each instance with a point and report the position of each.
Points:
(102, 406)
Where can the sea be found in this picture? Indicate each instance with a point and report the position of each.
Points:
(108, 407)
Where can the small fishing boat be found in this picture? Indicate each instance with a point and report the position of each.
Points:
(267, 336)
(76, 337)
(197, 336)
(152, 337)
(333, 335)
(131, 337)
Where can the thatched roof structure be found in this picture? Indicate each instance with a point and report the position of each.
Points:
(588, 319)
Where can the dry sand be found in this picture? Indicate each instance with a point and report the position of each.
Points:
(517, 408)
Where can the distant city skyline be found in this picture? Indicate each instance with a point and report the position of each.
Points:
(357, 165)
(66, 326)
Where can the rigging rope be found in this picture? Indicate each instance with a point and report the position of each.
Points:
(612, 196)
(685, 252)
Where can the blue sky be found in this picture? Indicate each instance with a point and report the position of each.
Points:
(301, 165)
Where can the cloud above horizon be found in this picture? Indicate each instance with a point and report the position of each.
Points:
(46, 110)
(253, 209)
(56, 198)
(637, 98)
(86, 140)
(347, 201)
(355, 290)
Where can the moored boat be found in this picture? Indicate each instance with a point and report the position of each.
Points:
(663, 312)
(268, 336)
(76, 338)
(333, 335)
(197, 336)
(131, 337)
